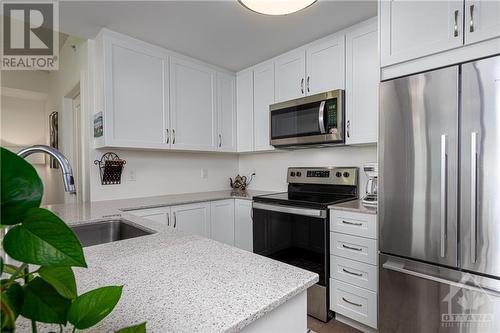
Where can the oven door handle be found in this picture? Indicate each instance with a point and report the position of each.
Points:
(321, 117)
(291, 210)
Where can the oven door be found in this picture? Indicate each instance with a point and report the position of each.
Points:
(298, 237)
(314, 119)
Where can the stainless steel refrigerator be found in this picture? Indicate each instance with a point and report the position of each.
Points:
(439, 206)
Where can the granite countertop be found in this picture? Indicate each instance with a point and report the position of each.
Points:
(354, 206)
(97, 209)
(179, 282)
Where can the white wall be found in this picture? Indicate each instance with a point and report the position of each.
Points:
(159, 173)
(270, 168)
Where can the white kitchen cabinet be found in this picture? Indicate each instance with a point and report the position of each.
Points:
(482, 20)
(290, 75)
(222, 221)
(412, 29)
(160, 217)
(226, 113)
(362, 80)
(263, 89)
(192, 218)
(192, 105)
(243, 225)
(244, 107)
(325, 65)
(133, 94)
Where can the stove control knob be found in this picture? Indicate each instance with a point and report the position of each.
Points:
(346, 174)
(299, 173)
(338, 174)
(292, 174)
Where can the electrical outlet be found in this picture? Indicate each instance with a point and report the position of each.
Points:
(204, 173)
(131, 175)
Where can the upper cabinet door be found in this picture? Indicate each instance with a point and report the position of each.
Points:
(362, 81)
(482, 20)
(290, 76)
(244, 109)
(192, 105)
(226, 112)
(325, 66)
(412, 29)
(135, 95)
(263, 89)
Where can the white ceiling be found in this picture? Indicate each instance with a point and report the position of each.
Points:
(222, 33)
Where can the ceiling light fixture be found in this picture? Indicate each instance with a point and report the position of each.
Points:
(276, 7)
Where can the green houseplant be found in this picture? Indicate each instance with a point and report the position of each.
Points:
(42, 288)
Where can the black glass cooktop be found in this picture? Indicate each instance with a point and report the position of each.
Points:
(317, 200)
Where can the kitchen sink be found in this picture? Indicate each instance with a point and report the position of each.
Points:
(108, 231)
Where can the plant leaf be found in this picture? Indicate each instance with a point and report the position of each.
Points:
(61, 278)
(1, 265)
(44, 239)
(10, 269)
(141, 328)
(43, 303)
(21, 187)
(92, 307)
(11, 302)
(16, 296)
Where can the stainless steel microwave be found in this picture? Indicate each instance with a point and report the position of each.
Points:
(311, 120)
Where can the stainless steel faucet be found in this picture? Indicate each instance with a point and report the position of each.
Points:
(67, 172)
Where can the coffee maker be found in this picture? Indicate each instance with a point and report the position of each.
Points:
(370, 198)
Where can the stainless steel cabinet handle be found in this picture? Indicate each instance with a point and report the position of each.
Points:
(352, 303)
(352, 273)
(444, 199)
(173, 137)
(351, 248)
(175, 220)
(471, 24)
(220, 140)
(307, 84)
(168, 219)
(473, 196)
(352, 223)
(167, 135)
(321, 117)
(348, 125)
(455, 27)
(302, 85)
(400, 267)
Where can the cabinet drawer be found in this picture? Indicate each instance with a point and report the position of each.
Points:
(354, 272)
(353, 247)
(364, 225)
(353, 302)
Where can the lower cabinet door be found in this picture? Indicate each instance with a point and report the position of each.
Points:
(353, 302)
(192, 218)
(243, 229)
(222, 221)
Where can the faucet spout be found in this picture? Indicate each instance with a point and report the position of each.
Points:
(67, 172)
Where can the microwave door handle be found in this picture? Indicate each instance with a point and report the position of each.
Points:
(321, 117)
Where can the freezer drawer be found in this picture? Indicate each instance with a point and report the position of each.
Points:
(417, 297)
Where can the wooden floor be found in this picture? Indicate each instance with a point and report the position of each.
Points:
(333, 326)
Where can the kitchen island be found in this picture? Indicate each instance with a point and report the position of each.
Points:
(178, 282)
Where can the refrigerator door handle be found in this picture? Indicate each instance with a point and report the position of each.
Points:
(444, 201)
(400, 267)
(473, 196)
